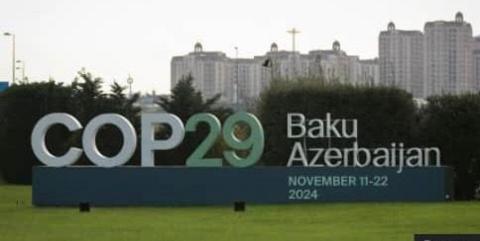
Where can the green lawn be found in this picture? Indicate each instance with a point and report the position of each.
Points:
(346, 222)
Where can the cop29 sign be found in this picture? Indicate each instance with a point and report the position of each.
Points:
(254, 143)
(312, 174)
(396, 155)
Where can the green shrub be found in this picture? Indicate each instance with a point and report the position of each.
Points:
(384, 115)
(21, 106)
(452, 122)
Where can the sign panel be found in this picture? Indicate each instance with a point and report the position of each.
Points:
(127, 186)
(3, 86)
(353, 173)
(447, 237)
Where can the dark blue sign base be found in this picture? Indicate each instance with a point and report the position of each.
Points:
(140, 186)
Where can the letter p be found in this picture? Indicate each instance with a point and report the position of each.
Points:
(149, 144)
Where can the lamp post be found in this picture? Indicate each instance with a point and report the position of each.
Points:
(24, 78)
(235, 86)
(13, 54)
(130, 82)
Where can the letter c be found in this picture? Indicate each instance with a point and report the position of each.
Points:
(38, 140)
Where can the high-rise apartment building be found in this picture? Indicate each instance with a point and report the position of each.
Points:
(448, 57)
(335, 65)
(476, 61)
(368, 72)
(247, 74)
(211, 71)
(401, 59)
(240, 80)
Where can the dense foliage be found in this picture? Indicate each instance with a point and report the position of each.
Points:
(453, 124)
(22, 105)
(184, 102)
(384, 115)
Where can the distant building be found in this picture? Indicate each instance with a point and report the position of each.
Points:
(280, 64)
(148, 103)
(212, 72)
(284, 64)
(369, 72)
(248, 73)
(476, 61)
(401, 59)
(335, 64)
(448, 57)
(241, 80)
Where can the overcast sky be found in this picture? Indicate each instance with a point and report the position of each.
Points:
(114, 38)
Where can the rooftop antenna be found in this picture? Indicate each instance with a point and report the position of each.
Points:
(293, 32)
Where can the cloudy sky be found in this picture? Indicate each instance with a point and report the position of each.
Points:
(112, 38)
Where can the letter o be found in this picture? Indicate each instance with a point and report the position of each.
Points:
(90, 145)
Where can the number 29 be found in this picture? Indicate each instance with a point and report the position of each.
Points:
(254, 143)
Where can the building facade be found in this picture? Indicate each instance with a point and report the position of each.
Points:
(247, 74)
(401, 59)
(335, 65)
(476, 61)
(211, 71)
(369, 72)
(448, 57)
(240, 80)
(282, 64)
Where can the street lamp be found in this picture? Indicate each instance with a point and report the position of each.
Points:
(235, 85)
(130, 82)
(24, 78)
(13, 54)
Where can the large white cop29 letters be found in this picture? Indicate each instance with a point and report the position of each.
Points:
(149, 144)
(38, 140)
(89, 142)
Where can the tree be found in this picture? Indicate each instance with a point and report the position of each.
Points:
(184, 102)
(110, 139)
(90, 101)
(119, 103)
(88, 96)
(384, 115)
(21, 107)
(452, 122)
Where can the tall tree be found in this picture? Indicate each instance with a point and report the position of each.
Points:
(90, 101)
(110, 138)
(21, 106)
(88, 95)
(184, 102)
(452, 122)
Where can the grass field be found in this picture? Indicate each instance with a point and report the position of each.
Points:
(346, 222)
